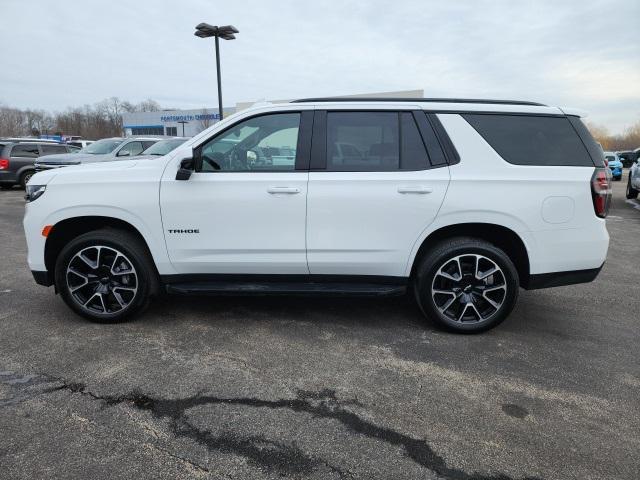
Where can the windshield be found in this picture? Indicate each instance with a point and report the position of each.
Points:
(163, 147)
(102, 146)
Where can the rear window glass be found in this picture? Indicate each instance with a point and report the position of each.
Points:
(25, 150)
(532, 140)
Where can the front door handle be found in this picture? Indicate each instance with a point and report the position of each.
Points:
(289, 190)
(418, 189)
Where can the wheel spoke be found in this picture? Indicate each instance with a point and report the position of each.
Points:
(447, 305)
(488, 273)
(497, 287)
(119, 299)
(86, 260)
(494, 304)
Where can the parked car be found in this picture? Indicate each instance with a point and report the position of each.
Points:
(627, 158)
(163, 147)
(105, 150)
(633, 181)
(615, 165)
(424, 204)
(17, 160)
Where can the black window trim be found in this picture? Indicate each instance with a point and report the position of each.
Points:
(303, 148)
(450, 153)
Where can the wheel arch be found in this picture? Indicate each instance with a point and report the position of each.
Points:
(66, 230)
(502, 237)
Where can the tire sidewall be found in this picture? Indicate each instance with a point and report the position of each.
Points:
(434, 261)
(25, 177)
(108, 239)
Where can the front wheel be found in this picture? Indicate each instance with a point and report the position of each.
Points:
(106, 275)
(631, 192)
(466, 285)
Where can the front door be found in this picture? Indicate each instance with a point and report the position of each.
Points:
(243, 210)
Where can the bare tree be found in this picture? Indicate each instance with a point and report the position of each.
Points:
(148, 105)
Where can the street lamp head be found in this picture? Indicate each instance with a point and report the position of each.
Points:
(226, 32)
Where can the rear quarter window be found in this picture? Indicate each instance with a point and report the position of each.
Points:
(532, 139)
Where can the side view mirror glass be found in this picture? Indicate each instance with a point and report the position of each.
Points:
(186, 169)
(251, 156)
(124, 153)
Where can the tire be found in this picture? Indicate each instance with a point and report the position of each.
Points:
(106, 276)
(25, 177)
(617, 179)
(631, 192)
(472, 303)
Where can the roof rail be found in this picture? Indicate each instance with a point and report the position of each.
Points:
(405, 99)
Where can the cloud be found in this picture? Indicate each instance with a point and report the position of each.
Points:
(578, 53)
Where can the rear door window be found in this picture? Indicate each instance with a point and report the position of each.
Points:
(363, 141)
(25, 150)
(532, 140)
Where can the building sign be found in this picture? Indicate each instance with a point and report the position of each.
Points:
(189, 118)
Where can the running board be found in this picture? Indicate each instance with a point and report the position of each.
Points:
(285, 288)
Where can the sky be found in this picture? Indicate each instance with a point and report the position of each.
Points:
(577, 53)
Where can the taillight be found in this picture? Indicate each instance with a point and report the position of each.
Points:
(601, 191)
(4, 164)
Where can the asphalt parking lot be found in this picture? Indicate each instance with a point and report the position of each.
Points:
(261, 388)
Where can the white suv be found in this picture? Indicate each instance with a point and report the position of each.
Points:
(460, 202)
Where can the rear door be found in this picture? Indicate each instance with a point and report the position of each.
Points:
(377, 181)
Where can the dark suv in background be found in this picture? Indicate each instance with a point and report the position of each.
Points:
(17, 159)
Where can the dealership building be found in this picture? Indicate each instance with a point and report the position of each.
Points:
(191, 122)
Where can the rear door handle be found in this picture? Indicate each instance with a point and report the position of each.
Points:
(419, 189)
(289, 190)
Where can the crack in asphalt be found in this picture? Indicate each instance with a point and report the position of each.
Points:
(286, 459)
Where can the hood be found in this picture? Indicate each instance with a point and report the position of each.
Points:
(615, 163)
(77, 159)
(66, 158)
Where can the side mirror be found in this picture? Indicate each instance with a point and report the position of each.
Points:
(124, 153)
(186, 169)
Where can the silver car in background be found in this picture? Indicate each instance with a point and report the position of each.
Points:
(105, 150)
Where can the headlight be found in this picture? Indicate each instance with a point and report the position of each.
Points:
(34, 192)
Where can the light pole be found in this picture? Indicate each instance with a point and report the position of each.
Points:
(226, 32)
(182, 122)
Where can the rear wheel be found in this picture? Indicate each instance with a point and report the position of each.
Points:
(466, 285)
(25, 177)
(106, 275)
(631, 192)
